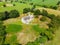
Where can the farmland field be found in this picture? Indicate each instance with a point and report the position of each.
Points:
(44, 29)
(19, 7)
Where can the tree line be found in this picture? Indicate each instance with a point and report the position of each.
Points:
(3, 16)
(12, 14)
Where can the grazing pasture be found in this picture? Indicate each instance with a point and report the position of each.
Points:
(39, 29)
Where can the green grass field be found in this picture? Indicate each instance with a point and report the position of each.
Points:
(11, 40)
(19, 7)
(13, 28)
(46, 2)
(37, 28)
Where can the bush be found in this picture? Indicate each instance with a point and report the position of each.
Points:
(11, 1)
(13, 4)
(55, 21)
(14, 14)
(41, 39)
(51, 16)
(4, 5)
(58, 2)
(43, 18)
(2, 33)
(2, 16)
(44, 12)
(53, 7)
(31, 3)
(26, 10)
(21, 2)
(6, 13)
(44, 6)
(43, 0)
(37, 12)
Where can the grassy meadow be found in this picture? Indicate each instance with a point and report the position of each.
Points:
(17, 32)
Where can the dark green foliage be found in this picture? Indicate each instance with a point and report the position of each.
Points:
(53, 7)
(11, 1)
(4, 5)
(49, 35)
(21, 2)
(14, 14)
(55, 21)
(31, 3)
(44, 6)
(42, 39)
(43, 0)
(6, 13)
(26, 10)
(2, 16)
(44, 12)
(51, 16)
(46, 34)
(14, 5)
(58, 3)
(37, 12)
(2, 33)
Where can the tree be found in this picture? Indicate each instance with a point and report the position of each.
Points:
(6, 13)
(49, 35)
(26, 10)
(2, 33)
(44, 18)
(58, 2)
(44, 12)
(55, 21)
(44, 6)
(53, 7)
(31, 3)
(37, 12)
(2, 16)
(4, 5)
(41, 39)
(14, 14)
(51, 16)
